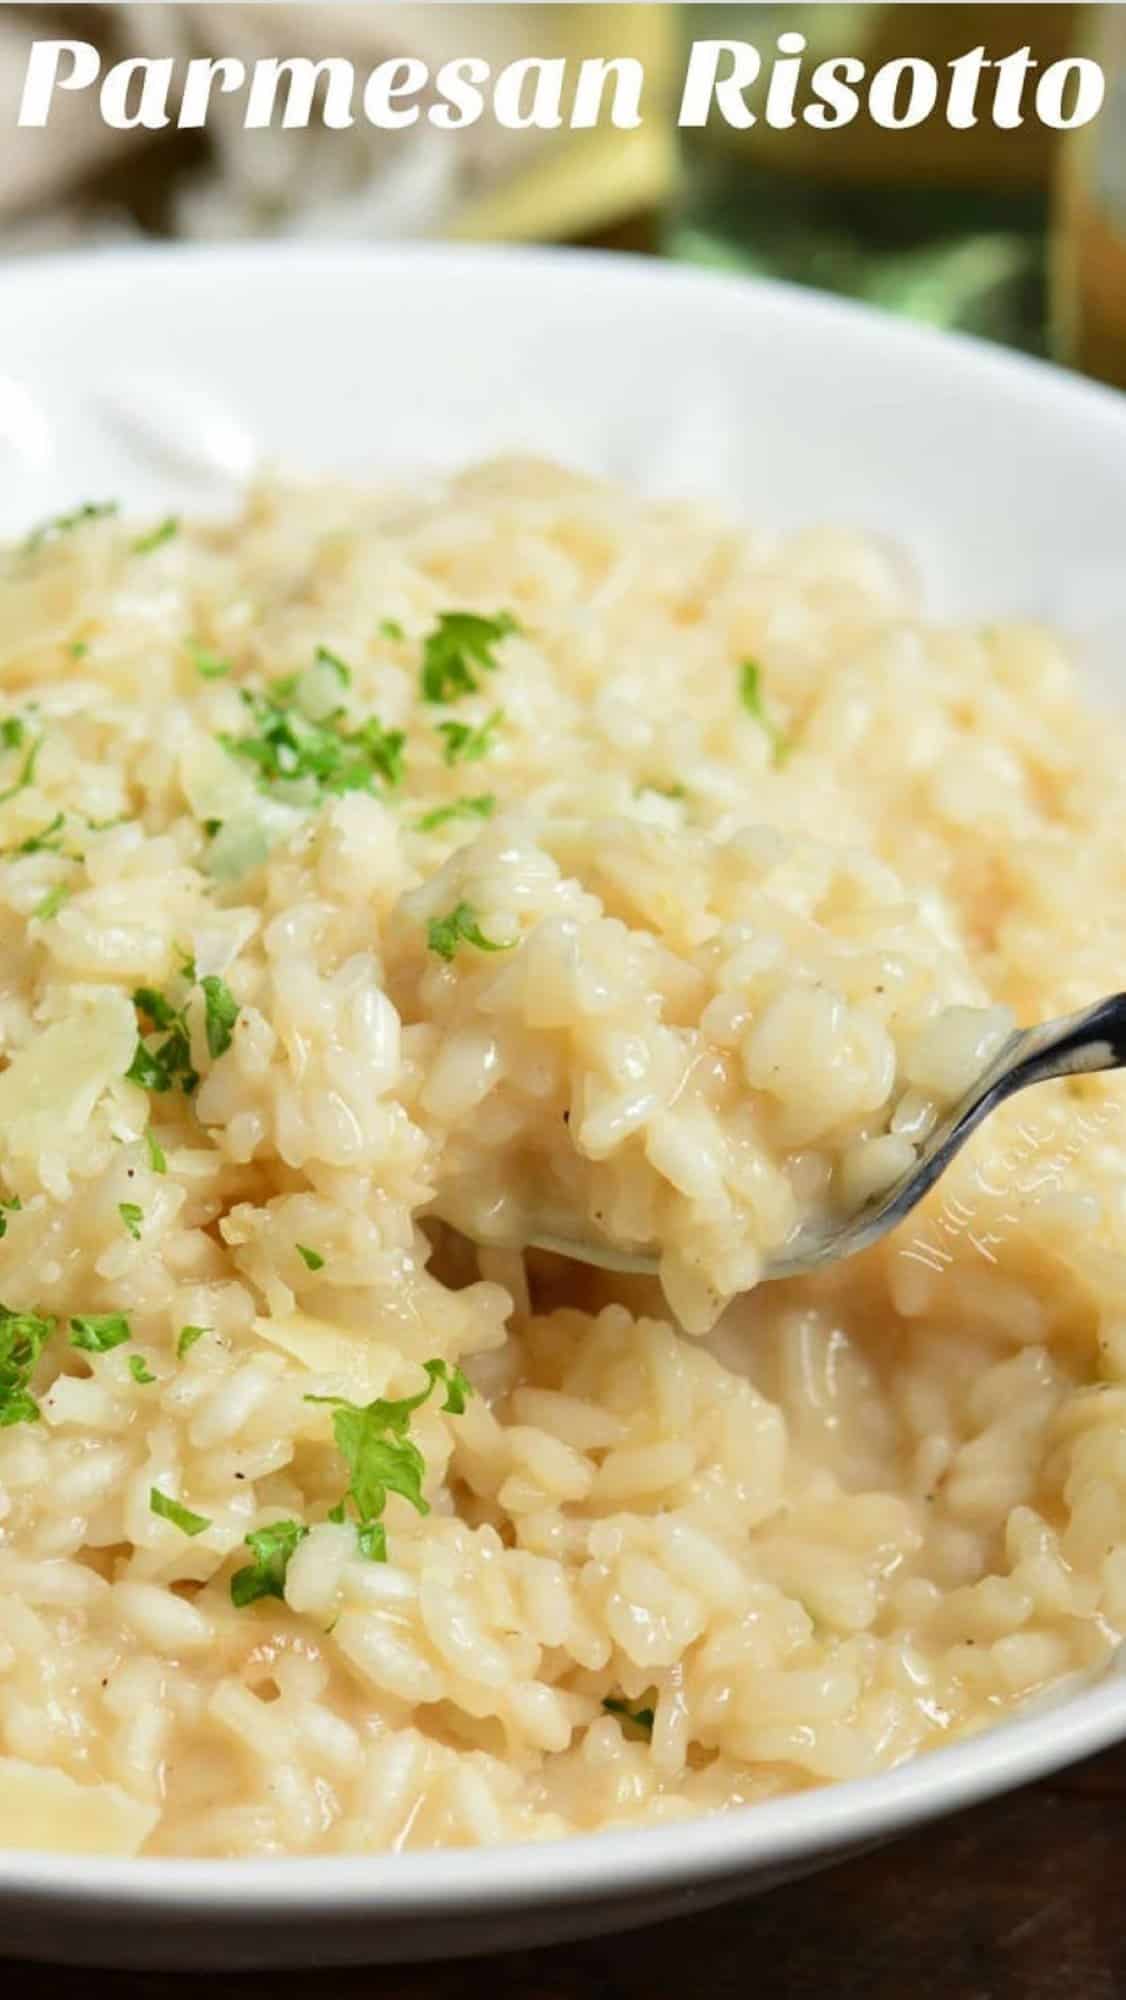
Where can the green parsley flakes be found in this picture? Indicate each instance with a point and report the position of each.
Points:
(132, 1215)
(208, 665)
(390, 628)
(97, 1333)
(187, 1340)
(312, 1259)
(271, 1548)
(49, 905)
(23, 1336)
(160, 1011)
(12, 732)
(9, 1206)
(157, 1159)
(460, 642)
(457, 1386)
(160, 1068)
(640, 1720)
(321, 758)
(482, 807)
(466, 744)
(26, 773)
(45, 840)
(156, 538)
(140, 1370)
(180, 1516)
(343, 672)
(65, 524)
(381, 1459)
(751, 696)
(444, 934)
(221, 1013)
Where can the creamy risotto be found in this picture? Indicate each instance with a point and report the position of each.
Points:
(387, 881)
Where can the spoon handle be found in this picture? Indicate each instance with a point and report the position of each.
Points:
(1076, 1045)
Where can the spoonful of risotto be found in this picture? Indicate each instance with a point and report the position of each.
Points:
(712, 1061)
(1077, 1044)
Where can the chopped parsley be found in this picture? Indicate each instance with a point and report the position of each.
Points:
(750, 694)
(390, 628)
(132, 1215)
(188, 1337)
(50, 904)
(97, 1333)
(221, 1013)
(456, 1384)
(12, 732)
(288, 747)
(460, 642)
(641, 1719)
(156, 538)
(46, 840)
(466, 744)
(181, 1517)
(11, 1206)
(64, 524)
(160, 1011)
(271, 1548)
(482, 807)
(157, 1160)
(160, 1068)
(78, 649)
(444, 934)
(208, 665)
(663, 791)
(312, 1259)
(340, 667)
(26, 772)
(139, 1369)
(381, 1459)
(23, 1336)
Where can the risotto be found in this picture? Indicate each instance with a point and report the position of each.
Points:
(388, 882)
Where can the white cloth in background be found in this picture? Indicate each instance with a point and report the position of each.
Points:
(357, 183)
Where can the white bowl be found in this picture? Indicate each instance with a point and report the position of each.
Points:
(160, 378)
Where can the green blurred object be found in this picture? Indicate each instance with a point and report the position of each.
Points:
(947, 227)
(936, 256)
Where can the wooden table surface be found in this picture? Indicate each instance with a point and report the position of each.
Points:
(1024, 1899)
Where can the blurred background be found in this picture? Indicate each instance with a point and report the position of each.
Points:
(1019, 236)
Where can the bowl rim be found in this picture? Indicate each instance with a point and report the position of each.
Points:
(116, 264)
(727, 1844)
(614, 1863)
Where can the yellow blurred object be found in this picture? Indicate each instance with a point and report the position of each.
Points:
(584, 182)
(596, 180)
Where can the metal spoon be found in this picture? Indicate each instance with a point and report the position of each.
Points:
(1093, 1039)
